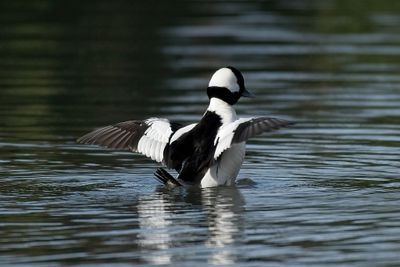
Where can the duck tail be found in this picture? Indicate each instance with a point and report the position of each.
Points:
(165, 178)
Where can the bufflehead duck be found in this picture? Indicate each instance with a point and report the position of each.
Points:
(208, 153)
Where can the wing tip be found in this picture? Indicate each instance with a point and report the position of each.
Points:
(291, 123)
(82, 140)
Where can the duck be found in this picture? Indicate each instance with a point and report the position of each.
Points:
(207, 153)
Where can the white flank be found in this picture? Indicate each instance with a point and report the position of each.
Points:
(226, 168)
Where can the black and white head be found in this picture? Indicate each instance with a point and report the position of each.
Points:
(227, 84)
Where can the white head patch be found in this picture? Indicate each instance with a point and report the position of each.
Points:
(225, 78)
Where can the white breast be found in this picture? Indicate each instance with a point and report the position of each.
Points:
(222, 109)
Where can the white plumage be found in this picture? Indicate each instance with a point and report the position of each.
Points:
(155, 138)
(224, 137)
(224, 78)
(226, 168)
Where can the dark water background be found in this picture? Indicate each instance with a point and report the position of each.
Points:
(326, 192)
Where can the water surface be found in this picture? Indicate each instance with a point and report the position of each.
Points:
(325, 192)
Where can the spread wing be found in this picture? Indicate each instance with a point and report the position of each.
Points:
(243, 129)
(148, 137)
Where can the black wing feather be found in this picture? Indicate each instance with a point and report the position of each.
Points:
(124, 135)
(256, 126)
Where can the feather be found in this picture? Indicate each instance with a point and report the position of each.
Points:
(148, 137)
(243, 129)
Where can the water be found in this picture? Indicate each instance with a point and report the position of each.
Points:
(323, 193)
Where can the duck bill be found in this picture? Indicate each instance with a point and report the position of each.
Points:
(246, 93)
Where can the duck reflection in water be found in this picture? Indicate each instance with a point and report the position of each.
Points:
(211, 216)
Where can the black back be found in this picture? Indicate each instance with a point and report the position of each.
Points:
(193, 153)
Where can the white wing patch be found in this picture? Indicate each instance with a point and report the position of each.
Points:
(225, 135)
(155, 138)
(243, 129)
(148, 137)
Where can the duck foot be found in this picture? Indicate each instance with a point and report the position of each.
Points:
(165, 178)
